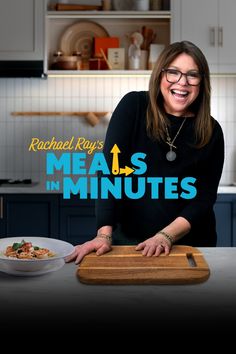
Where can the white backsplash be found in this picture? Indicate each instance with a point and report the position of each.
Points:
(83, 94)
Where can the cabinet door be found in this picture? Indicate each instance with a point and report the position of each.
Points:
(223, 212)
(226, 33)
(77, 221)
(197, 21)
(31, 215)
(234, 223)
(2, 219)
(21, 30)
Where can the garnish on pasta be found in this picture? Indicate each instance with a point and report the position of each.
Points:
(25, 250)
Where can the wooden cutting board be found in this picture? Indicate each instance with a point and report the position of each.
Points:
(124, 265)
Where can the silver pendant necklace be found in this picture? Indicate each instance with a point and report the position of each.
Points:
(171, 155)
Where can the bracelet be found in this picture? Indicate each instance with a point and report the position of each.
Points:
(107, 237)
(167, 236)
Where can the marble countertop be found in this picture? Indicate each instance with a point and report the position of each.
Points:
(59, 299)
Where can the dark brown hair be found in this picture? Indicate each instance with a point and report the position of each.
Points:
(156, 115)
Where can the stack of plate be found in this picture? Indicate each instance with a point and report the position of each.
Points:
(79, 38)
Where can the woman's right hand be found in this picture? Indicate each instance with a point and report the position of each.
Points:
(98, 244)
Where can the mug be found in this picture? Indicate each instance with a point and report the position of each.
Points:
(141, 5)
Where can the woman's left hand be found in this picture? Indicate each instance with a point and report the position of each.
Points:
(154, 246)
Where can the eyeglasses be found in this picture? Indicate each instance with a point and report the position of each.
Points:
(172, 75)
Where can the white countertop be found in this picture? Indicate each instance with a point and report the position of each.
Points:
(59, 300)
(227, 189)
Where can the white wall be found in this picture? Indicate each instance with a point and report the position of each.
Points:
(83, 94)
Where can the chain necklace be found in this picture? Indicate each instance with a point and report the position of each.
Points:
(171, 155)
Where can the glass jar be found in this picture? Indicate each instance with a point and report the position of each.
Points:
(79, 59)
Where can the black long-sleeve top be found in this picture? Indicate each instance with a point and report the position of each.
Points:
(142, 218)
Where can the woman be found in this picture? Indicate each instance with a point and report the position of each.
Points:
(172, 125)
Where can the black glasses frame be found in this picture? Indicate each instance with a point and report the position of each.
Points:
(181, 74)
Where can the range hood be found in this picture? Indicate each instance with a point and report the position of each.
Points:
(21, 68)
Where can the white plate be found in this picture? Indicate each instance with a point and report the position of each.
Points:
(79, 38)
(31, 267)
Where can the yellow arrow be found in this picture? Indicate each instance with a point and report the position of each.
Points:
(127, 170)
(115, 161)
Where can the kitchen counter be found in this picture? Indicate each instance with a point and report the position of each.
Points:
(33, 188)
(60, 301)
(227, 189)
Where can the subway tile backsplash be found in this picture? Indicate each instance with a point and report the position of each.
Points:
(84, 94)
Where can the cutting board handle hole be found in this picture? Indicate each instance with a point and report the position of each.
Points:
(191, 260)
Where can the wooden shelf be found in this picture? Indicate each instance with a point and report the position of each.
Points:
(91, 117)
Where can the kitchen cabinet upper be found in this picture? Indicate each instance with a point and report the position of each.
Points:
(21, 30)
(22, 37)
(210, 24)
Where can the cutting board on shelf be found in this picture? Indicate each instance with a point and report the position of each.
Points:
(124, 265)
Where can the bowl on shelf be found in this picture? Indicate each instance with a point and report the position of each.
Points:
(67, 62)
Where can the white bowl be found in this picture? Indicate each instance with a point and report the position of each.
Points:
(29, 267)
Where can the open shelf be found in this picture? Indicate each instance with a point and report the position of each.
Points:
(117, 24)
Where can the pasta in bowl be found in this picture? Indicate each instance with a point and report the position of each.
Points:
(29, 256)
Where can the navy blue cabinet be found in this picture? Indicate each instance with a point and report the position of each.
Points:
(225, 211)
(77, 220)
(29, 215)
(2, 217)
(49, 215)
(234, 222)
